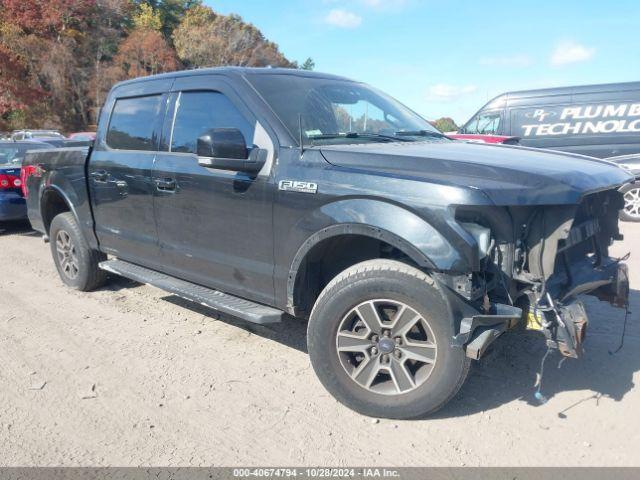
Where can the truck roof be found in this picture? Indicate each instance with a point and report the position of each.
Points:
(597, 88)
(505, 98)
(232, 71)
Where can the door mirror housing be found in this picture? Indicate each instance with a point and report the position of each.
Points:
(223, 143)
(226, 149)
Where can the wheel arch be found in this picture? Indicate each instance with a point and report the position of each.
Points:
(368, 222)
(54, 201)
(322, 241)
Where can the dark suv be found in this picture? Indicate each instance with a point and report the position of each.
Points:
(260, 192)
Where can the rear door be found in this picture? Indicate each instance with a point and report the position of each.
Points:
(214, 226)
(120, 172)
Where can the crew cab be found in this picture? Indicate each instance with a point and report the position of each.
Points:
(265, 192)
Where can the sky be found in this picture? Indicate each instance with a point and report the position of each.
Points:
(444, 58)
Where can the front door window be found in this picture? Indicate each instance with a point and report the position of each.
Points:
(198, 112)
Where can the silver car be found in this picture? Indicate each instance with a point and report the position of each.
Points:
(631, 210)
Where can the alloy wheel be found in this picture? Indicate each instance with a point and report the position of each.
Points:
(632, 203)
(386, 346)
(67, 255)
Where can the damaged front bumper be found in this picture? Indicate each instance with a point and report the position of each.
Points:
(479, 331)
(539, 260)
(563, 319)
(565, 325)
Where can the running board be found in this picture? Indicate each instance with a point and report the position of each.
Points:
(222, 302)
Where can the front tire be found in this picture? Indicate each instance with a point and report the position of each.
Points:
(631, 210)
(77, 264)
(379, 339)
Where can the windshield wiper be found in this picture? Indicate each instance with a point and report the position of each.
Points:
(420, 133)
(389, 138)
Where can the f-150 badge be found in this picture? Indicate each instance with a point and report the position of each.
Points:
(298, 186)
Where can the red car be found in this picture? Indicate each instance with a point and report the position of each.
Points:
(480, 138)
(90, 136)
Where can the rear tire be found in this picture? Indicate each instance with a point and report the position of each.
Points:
(77, 264)
(406, 370)
(631, 210)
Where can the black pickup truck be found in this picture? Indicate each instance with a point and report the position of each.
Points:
(264, 192)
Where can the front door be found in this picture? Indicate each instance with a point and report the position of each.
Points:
(120, 178)
(214, 226)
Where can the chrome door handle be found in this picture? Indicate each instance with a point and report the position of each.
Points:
(99, 176)
(166, 184)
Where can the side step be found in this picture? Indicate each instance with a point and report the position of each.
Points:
(222, 302)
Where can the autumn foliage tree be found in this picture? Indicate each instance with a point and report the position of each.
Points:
(207, 39)
(49, 19)
(170, 12)
(46, 37)
(145, 51)
(15, 94)
(59, 58)
(445, 124)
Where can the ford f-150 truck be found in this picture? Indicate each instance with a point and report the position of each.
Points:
(265, 192)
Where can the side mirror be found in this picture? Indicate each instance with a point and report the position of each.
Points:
(226, 149)
(223, 143)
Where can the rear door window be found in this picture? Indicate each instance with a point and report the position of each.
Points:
(198, 112)
(132, 124)
(485, 123)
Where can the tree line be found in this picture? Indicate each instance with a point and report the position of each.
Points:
(59, 58)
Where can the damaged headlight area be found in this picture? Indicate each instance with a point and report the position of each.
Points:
(530, 264)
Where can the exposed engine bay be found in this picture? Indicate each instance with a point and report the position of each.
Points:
(539, 259)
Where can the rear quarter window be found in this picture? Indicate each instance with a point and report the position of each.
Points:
(132, 124)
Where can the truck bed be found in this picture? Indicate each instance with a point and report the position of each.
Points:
(61, 172)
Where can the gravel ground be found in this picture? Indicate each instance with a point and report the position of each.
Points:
(131, 376)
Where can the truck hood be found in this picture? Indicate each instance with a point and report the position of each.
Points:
(507, 175)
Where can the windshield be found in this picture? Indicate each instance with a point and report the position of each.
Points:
(12, 155)
(486, 123)
(339, 111)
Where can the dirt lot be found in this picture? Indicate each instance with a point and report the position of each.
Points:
(132, 376)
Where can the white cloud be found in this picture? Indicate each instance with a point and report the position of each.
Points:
(567, 52)
(520, 60)
(339, 17)
(384, 4)
(448, 93)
